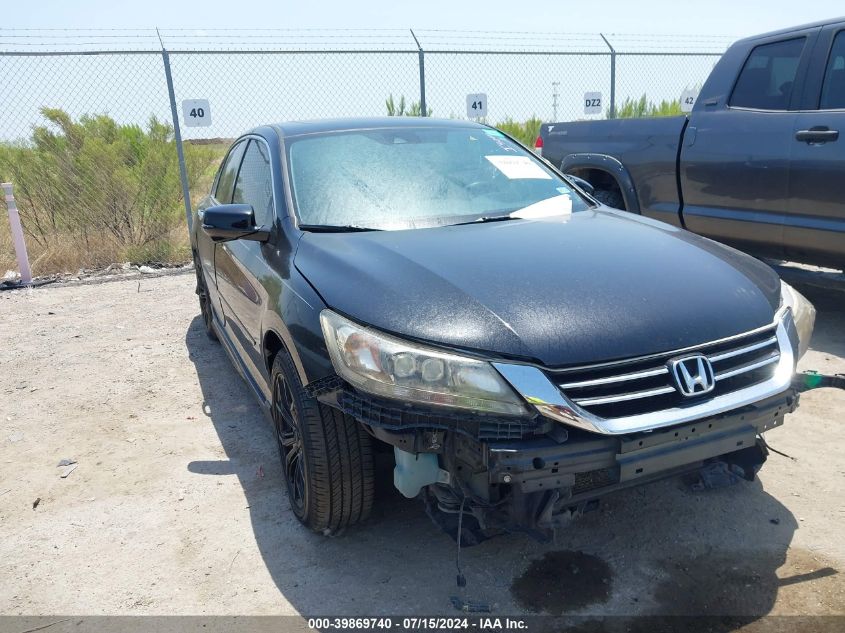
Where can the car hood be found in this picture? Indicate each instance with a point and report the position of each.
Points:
(584, 288)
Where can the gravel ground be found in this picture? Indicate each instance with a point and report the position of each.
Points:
(176, 505)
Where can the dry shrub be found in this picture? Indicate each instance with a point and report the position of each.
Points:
(93, 192)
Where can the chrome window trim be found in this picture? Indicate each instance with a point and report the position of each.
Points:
(533, 385)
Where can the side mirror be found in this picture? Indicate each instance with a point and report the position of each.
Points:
(233, 222)
(582, 184)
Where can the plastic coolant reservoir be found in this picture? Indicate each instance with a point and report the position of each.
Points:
(412, 472)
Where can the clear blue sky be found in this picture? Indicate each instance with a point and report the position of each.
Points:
(131, 88)
(714, 17)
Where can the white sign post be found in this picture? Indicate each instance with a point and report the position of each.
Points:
(17, 235)
(592, 103)
(688, 98)
(477, 105)
(196, 113)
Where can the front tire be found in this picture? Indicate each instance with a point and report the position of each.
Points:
(326, 456)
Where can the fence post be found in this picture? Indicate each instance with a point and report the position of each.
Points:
(17, 235)
(421, 52)
(183, 170)
(612, 111)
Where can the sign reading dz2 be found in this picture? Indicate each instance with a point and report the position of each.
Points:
(592, 103)
(196, 113)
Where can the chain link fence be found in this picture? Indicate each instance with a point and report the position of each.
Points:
(88, 135)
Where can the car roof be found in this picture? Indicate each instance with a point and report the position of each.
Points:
(296, 128)
(792, 29)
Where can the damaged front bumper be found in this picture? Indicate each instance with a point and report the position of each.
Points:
(533, 475)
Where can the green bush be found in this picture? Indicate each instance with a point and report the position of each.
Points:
(106, 189)
(526, 132)
(401, 109)
(642, 107)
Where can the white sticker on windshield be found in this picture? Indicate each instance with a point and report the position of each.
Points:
(516, 167)
(557, 205)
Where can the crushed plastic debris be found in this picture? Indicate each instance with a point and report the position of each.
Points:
(716, 475)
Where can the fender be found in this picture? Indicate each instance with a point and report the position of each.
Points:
(609, 165)
(294, 300)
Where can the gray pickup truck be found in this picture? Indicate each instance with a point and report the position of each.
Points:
(757, 164)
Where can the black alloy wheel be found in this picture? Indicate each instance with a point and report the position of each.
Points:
(289, 441)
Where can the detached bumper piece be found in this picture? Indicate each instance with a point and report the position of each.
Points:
(814, 380)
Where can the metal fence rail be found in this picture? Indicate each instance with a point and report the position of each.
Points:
(104, 159)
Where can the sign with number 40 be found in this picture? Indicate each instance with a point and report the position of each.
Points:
(196, 113)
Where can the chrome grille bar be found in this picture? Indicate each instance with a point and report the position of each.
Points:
(622, 397)
(612, 379)
(602, 409)
(742, 369)
(739, 351)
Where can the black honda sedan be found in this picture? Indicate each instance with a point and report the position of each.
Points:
(434, 290)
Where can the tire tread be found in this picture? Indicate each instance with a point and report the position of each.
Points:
(338, 458)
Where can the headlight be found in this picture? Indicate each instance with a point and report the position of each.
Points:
(803, 313)
(390, 367)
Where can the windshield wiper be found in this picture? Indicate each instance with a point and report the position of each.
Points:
(334, 228)
(485, 218)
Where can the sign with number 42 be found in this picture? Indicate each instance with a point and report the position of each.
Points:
(688, 98)
(196, 113)
(476, 105)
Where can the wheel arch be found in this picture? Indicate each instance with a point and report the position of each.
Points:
(584, 165)
(271, 345)
(310, 360)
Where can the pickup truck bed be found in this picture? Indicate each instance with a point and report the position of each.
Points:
(757, 164)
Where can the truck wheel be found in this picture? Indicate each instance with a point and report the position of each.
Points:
(205, 301)
(610, 197)
(327, 457)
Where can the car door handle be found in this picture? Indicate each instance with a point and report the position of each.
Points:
(820, 134)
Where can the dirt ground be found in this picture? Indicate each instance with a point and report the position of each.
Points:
(176, 505)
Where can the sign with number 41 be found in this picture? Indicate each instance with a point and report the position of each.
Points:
(196, 113)
(476, 105)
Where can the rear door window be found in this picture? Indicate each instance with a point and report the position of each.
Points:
(768, 76)
(228, 173)
(833, 88)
